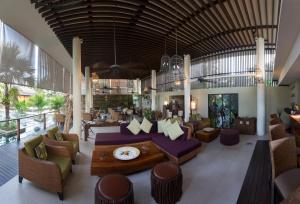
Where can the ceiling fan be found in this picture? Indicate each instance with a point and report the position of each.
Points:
(116, 71)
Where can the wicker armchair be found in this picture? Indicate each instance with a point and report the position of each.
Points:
(49, 174)
(71, 142)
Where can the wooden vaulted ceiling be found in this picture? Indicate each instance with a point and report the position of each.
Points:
(142, 26)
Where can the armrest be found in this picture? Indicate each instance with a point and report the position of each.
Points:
(71, 137)
(66, 144)
(37, 169)
(58, 150)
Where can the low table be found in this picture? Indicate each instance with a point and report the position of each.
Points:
(103, 161)
(205, 136)
(87, 126)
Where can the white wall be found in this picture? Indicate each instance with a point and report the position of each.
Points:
(276, 98)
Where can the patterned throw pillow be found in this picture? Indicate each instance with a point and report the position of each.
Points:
(59, 136)
(41, 151)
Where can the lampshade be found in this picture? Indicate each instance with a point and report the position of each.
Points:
(166, 103)
(165, 63)
(193, 105)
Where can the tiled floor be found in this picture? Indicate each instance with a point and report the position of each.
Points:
(215, 176)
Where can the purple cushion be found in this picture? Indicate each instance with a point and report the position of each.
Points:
(176, 148)
(118, 138)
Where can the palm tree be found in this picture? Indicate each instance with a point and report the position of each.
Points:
(14, 69)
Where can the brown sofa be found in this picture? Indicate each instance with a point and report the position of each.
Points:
(71, 142)
(49, 174)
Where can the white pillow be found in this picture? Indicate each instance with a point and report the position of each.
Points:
(160, 125)
(175, 131)
(208, 129)
(134, 127)
(165, 127)
(146, 125)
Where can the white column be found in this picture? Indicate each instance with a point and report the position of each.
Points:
(187, 87)
(91, 93)
(260, 65)
(88, 91)
(153, 92)
(76, 71)
(139, 82)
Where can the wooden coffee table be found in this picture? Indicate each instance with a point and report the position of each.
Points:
(103, 161)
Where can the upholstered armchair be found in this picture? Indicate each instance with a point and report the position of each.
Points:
(70, 141)
(49, 174)
(286, 175)
(277, 131)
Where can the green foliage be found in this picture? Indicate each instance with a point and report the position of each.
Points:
(148, 114)
(14, 68)
(39, 101)
(21, 107)
(12, 125)
(57, 102)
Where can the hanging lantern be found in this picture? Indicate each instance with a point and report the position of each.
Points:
(165, 63)
(165, 60)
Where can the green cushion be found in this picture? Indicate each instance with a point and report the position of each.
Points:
(31, 144)
(51, 133)
(41, 151)
(59, 136)
(64, 164)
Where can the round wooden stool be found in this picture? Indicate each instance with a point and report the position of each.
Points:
(114, 189)
(166, 183)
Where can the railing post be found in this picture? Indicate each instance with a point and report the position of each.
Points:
(45, 124)
(18, 129)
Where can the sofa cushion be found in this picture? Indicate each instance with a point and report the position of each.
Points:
(174, 131)
(288, 181)
(31, 144)
(146, 125)
(51, 133)
(118, 138)
(176, 148)
(166, 128)
(160, 125)
(134, 127)
(64, 164)
(40, 151)
(125, 131)
(59, 136)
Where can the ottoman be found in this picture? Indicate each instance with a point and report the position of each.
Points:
(229, 136)
(114, 189)
(166, 183)
(207, 136)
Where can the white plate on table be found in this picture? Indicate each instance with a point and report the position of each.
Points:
(126, 153)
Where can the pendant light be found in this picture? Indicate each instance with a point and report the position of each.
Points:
(176, 62)
(165, 60)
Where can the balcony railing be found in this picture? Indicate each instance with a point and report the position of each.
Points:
(19, 127)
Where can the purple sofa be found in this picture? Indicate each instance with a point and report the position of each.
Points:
(179, 151)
